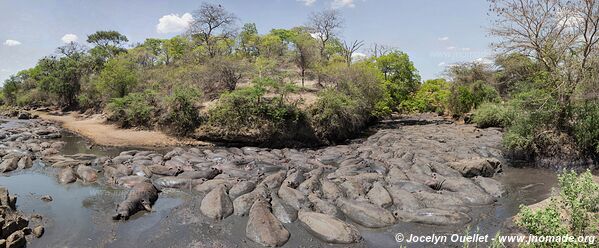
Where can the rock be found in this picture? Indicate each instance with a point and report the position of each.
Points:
(14, 225)
(379, 196)
(46, 198)
(329, 229)
(366, 214)
(38, 231)
(7, 200)
(217, 204)
(263, 227)
(66, 176)
(476, 167)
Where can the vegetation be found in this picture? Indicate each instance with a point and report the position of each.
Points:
(573, 212)
(217, 82)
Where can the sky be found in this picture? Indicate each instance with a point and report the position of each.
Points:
(434, 33)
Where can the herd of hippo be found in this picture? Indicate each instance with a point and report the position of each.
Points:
(392, 177)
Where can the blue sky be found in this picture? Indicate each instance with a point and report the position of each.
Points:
(435, 33)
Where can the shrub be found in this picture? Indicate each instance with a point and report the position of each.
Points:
(335, 116)
(432, 96)
(133, 110)
(573, 212)
(493, 115)
(586, 127)
(464, 98)
(181, 116)
(248, 108)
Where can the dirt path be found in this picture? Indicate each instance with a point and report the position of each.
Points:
(99, 131)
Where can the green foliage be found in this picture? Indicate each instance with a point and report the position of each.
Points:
(118, 78)
(493, 115)
(586, 126)
(400, 74)
(573, 212)
(181, 116)
(465, 98)
(249, 108)
(432, 96)
(335, 116)
(133, 110)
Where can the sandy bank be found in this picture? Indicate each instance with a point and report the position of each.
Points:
(100, 132)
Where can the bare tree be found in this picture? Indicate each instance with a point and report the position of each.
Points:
(379, 50)
(325, 25)
(562, 35)
(211, 24)
(349, 50)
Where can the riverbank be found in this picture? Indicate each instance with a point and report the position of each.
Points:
(99, 131)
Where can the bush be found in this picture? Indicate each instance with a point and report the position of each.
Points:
(247, 108)
(181, 116)
(586, 127)
(573, 212)
(464, 98)
(133, 110)
(493, 115)
(335, 116)
(432, 96)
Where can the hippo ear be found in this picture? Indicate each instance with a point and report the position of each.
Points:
(116, 217)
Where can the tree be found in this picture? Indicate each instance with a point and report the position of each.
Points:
(349, 50)
(107, 44)
(563, 36)
(10, 88)
(211, 24)
(175, 48)
(304, 54)
(117, 78)
(325, 26)
(400, 73)
(249, 41)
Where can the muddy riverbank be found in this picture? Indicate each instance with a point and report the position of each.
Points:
(430, 164)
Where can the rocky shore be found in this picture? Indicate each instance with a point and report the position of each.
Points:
(429, 174)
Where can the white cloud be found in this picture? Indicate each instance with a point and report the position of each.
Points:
(451, 48)
(465, 49)
(174, 23)
(343, 3)
(68, 38)
(12, 43)
(358, 56)
(443, 38)
(442, 64)
(307, 2)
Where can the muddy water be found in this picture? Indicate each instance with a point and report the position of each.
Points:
(80, 214)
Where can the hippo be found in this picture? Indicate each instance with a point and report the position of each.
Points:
(141, 170)
(330, 190)
(432, 216)
(366, 214)
(294, 179)
(324, 207)
(328, 228)
(176, 182)
(204, 173)
(164, 170)
(9, 164)
(241, 187)
(217, 204)
(141, 197)
(292, 197)
(66, 176)
(131, 181)
(263, 227)
(282, 211)
(379, 196)
(87, 174)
